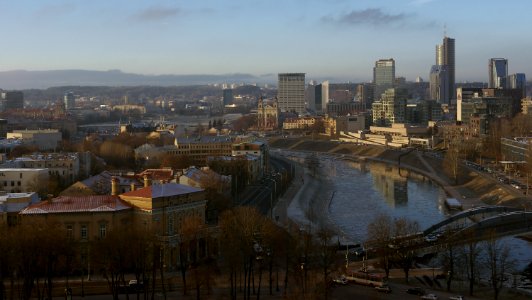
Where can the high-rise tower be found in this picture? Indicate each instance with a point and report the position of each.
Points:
(439, 84)
(291, 92)
(383, 77)
(498, 71)
(445, 57)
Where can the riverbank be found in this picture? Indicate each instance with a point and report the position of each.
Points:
(470, 187)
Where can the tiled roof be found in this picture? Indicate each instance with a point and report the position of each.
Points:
(162, 190)
(157, 174)
(72, 204)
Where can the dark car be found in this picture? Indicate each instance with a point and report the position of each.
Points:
(416, 291)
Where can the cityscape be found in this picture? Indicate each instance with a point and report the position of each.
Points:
(171, 150)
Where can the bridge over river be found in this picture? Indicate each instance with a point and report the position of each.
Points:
(476, 224)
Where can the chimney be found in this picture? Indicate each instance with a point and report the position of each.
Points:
(114, 186)
(147, 181)
(133, 187)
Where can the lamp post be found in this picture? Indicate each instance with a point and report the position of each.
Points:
(271, 196)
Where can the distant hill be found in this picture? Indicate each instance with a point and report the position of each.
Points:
(21, 79)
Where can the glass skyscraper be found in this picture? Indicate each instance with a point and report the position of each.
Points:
(439, 84)
(383, 77)
(445, 57)
(498, 73)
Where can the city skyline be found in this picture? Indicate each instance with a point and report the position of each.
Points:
(256, 37)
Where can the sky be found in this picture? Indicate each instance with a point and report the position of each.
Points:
(336, 39)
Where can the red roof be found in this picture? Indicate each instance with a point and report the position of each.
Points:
(70, 204)
(162, 190)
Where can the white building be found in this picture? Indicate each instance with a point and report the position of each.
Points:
(70, 167)
(23, 180)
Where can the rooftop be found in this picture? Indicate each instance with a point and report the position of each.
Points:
(204, 139)
(75, 204)
(162, 190)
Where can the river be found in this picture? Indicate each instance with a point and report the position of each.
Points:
(350, 195)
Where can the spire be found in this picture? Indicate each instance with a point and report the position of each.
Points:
(444, 30)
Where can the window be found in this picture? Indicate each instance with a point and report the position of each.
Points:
(69, 231)
(103, 230)
(12, 183)
(170, 224)
(84, 232)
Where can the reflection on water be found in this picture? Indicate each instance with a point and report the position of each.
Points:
(365, 190)
(388, 181)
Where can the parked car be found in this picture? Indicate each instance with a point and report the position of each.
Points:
(134, 285)
(457, 297)
(416, 291)
(384, 289)
(340, 280)
(430, 297)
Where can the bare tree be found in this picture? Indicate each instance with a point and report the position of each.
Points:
(325, 255)
(190, 230)
(380, 232)
(452, 160)
(497, 262)
(403, 229)
(472, 251)
(450, 259)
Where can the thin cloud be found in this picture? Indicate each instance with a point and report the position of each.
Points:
(369, 16)
(152, 14)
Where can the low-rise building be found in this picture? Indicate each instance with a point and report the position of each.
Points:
(163, 208)
(256, 148)
(67, 166)
(44, 139)
(199, 148)
(23, 180)
(301, 123)
(334, 126)
(13, 203)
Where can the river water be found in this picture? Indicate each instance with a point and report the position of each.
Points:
(355, 193)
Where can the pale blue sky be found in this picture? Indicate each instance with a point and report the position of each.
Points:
(339, 39)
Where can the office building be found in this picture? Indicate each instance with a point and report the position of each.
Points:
(445, 56)
(391, 108)
(383, 77)
(498, 72)
(517, 81)
(11, 100)
(310, 95)
(228, 96)
(439, 84)
(70, 100)
(321, 97)
(364, 94)
(291, 92)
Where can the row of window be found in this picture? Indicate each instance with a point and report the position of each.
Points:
(18, 183)
(84, 231)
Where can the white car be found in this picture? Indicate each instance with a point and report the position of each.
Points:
(456, 298)
(430, 297)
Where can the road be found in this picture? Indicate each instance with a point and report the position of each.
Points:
(353, 291)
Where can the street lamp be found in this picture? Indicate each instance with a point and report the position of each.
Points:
(271, 196)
